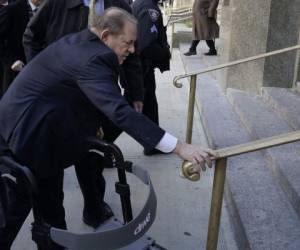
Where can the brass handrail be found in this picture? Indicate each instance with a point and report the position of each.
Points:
(220, 174)
(223, 154)
(194, 74)
(258, 145)
(233, 63)
(179, 10)
(171, 22)
(172, 10)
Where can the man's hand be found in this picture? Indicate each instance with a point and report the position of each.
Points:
(200, 157)
(138, 106)
(17, 66)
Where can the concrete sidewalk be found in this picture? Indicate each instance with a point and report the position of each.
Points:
(183, 206)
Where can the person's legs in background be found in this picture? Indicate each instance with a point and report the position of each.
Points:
(212, 49)
(193, 49)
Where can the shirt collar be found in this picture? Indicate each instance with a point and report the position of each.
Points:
(32, 6)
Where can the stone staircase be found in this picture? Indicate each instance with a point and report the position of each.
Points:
(262, 188)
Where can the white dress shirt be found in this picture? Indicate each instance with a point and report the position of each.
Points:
(167, 143)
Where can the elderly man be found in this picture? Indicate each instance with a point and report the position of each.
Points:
(55, 19)
(75, 80)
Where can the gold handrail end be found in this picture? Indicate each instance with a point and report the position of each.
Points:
(177, 84)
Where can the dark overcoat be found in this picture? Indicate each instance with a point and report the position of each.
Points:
(13, 20)
(59, 99)
(57, 18)
(205, 26)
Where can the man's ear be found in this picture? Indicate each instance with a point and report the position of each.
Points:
(104, 35)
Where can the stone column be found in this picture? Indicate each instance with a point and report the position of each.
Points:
(252, 27)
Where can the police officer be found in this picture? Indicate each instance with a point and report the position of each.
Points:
(154, 52)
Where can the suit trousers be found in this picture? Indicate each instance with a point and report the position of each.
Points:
(150, 108)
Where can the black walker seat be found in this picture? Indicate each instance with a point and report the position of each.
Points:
(114, 235)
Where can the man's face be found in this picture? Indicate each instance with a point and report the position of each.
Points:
(122, 44)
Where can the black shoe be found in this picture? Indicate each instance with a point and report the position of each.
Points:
(211, 53)
(190, 53)
(154, 151)
(96, 219)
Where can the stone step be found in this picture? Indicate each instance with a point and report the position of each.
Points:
(261, 214)
(286, 102)
(263, 121)
(200, 61)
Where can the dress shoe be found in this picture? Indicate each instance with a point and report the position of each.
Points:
(211, 53)
(95, 219)
(190, 53)
(154, 151)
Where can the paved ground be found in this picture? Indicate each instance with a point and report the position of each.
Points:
(183, 206)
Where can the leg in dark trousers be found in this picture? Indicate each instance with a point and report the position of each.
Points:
(92, 185)
(150, 108)
(193, 48)
(49, 202)
(212, 49)
(15, 205)
(91, 181)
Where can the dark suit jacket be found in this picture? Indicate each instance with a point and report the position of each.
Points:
(57, 18)
(13, 20)
(58, 100)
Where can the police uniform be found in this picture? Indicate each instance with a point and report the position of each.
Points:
(153, 48)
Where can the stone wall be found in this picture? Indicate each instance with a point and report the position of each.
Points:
(252, 27)
(283, 32)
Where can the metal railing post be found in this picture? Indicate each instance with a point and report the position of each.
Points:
(172, 38)
(216, 204)
(190, 118)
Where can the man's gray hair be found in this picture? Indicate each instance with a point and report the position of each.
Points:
(112, 19)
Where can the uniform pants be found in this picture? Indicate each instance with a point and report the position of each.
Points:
(150, 108)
